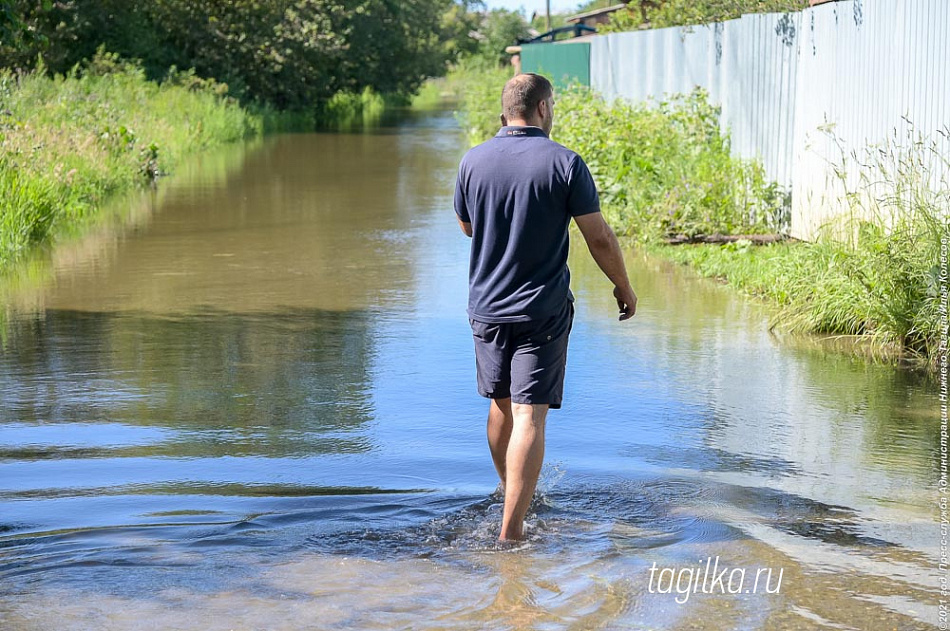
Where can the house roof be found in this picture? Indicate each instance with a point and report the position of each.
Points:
(592, 14)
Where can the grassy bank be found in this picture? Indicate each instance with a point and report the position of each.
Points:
(68, 142)
(875, 277)
(665, 169)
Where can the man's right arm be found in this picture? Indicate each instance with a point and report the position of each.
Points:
(604, 247)
(461, 211)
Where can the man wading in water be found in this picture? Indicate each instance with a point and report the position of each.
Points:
(515, 196)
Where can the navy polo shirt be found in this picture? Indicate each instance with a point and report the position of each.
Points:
(519, 191)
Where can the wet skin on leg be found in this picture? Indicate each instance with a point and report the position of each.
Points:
(500, 423)
(523, 460)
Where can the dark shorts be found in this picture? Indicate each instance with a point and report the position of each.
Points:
(523, 360)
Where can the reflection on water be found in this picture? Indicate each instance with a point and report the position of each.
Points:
(251, 405)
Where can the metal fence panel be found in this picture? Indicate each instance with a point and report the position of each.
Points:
(747, 66)
(801, 91)
(563, 62)
(872, 72)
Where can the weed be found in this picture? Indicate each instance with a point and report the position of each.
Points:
(873, 272)
(69, 141)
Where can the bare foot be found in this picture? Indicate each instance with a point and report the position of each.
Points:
(512, 535)
(509, 545)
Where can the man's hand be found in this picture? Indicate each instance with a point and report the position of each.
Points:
(626, 302)
(605, 249)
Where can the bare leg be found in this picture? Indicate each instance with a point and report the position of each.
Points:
(523, 461)
(499, 433)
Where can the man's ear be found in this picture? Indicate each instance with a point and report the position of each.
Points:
(504, 121)
(543, 109)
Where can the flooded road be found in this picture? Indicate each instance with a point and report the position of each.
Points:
(253, 406)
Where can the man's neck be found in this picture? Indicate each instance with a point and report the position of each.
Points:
(522, 123)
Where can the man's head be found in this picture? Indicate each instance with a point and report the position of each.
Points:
(528, 99)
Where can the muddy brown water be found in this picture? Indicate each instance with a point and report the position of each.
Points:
(248, 403)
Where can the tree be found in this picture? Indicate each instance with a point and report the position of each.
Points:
(460, 21)
(19, 36)
(289, 53)
(685, 12)
(499, 29)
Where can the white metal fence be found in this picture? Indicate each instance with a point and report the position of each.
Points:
(799, 90)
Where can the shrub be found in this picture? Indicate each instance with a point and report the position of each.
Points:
(875, 272)
(68, 141)
(665, 168)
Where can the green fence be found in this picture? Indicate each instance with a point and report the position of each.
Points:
(562, 63)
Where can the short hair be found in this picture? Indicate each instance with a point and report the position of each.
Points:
(522, 93)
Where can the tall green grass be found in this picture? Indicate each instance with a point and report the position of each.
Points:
(873, 273)
(436, 92)
(346, 111)
(69, 141)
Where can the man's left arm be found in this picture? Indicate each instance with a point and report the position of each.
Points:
(584, 206)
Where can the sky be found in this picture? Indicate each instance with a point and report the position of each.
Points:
(557, 6)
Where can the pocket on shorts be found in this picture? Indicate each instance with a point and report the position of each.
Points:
(553, 328)
(482, 330)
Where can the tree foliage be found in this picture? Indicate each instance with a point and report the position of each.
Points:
(289, 53)
(460, 22)
(686, 12)
(499, 29)
(15, 32)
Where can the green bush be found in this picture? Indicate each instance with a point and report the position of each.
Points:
(880, 282)
(665, 168)
(68, 141)
(690, 12)
(347, 110)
